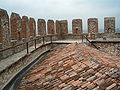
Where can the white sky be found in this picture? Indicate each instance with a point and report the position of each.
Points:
(65, 9)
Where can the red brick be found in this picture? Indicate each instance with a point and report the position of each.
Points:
(64, 77)
(75, 83)
(41, 27)
(50, 27)
(15, 23)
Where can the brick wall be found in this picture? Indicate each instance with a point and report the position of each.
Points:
(4, 28)
(109, 47)
(77, 26)
(25, 33)
(15, 23)
(41, 27)
(32, 27)
(50, 27)
(4, 33)
(92, 25)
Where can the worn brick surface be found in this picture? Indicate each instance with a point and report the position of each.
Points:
(77, 26)
(64, 26)
(4, 28)
(93, 25)
(15, 23)
(56, 73)
(32, 27)
(25, 27)
(50, 27)
(4, 34)
(41, 27)
(57, 27)
(109, 24)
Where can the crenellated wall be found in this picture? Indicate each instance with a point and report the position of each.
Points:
(41, 24)
(50, 27)
(77, 26)
(16, 30)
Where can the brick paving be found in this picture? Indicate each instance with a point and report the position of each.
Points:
(74, 67)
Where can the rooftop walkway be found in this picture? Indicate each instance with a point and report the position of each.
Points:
(5, 63)
(74, 67)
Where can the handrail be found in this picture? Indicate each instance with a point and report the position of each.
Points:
(26, 42)
(90, 42)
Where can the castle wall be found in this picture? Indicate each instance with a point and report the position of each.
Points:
(77, 26)
(50, 27)
(109, 47)
(41, 27)
(32, 27)
(25, 28)
(15, 30)
(93, 25)
(57, 24)
(15, 23)
(4, 33)
(109, 26)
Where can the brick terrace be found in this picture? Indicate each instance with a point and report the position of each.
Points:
(74, 67)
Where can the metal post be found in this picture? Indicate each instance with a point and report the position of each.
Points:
(51, 39)
(82, 38)
(27, 47)
(35, 43)
(43, 40)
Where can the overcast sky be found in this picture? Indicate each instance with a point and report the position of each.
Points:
(65, 9)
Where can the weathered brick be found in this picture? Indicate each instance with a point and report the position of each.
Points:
(15, 23)
(4, 28)
(77, 26)
(93, 25)
(32, 27)
(109, 24)
(4, 33)
(57, 27)
(41, 24)
(25, 28)
(50, 27)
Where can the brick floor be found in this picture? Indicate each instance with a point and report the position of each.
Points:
(74, 67)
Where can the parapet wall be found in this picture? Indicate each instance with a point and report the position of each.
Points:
(15, 29)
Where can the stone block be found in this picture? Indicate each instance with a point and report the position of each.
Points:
(41, 24)
(109, 25)
(77, 26)
(25, 33)
(32, 27)
(93, 25)
(50, 27)
(15, 24)
(4, 33)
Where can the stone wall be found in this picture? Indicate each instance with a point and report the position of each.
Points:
(109, 26)
(57, 27)
(32, 27)
(109, 47)
(62, 28)
(50, 27)
(93, 25)
(41, 27)
(15, 23)
(15, 30)
(25, 28)
(4, 33)
(77, 26)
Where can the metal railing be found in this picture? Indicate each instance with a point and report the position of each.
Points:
(31, 40)
(84, 37)
(43, 41)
